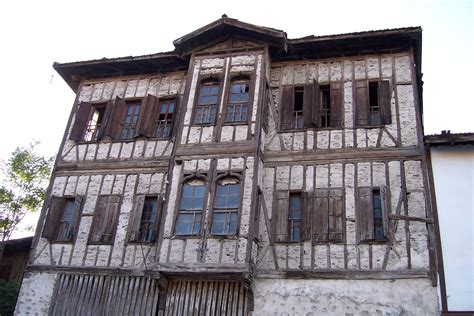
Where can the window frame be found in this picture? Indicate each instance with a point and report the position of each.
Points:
(312, 104)
(280, 229)
(56, 210)
(203, 80)
(210, 217)
(168, 99)
(135, 220)
(139, 116)
(361, 90)
(364, 223)
(245, 77)
(184, 180)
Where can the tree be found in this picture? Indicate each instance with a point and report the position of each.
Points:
(22, 188)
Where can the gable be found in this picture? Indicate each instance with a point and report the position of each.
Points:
(231, 44)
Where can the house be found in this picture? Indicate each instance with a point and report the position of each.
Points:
(451, 157)
(244, 172)
(15, 259)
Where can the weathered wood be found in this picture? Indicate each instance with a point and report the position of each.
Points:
(411, 218)
(348, 155)
(356, 274)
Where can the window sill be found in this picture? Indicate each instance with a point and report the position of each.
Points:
(62, 242)
(371, 126)
(228, 237)
(304, 129)
(235, 123)
(202, 124)
(100, 243)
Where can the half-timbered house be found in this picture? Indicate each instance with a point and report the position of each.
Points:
(244, 172)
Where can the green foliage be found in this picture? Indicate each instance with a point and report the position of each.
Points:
(22, 188)
(8, 295)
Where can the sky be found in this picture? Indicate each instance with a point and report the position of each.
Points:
(36, 102)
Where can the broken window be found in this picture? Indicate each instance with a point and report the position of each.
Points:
(328, 215)
(191, 207)
(373, 214)
(237, 107)
(373, 103)
(130, 121)
(63, 219)
(143, 224)
(104, 222)
(311, 106)
(226, 206)
(206, 107)
(164, 121)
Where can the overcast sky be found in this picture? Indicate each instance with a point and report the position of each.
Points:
(36, 102)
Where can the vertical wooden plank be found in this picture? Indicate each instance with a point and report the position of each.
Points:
(220, 294)
(286, 107)
(241, 304)
(308, 105)
(191, 300)
(210, 299)
(320, 220)
(362, 103)
(337, 104)
(111, 294)
(225, 297)
(280, 215)
(366, 214)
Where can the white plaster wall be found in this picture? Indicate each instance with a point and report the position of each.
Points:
(35, 294)
(345, 297)
(453, 170)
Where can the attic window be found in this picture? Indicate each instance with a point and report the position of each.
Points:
(298, 107)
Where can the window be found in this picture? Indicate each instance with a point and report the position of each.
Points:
(130, 121)
(373, 103)
(94, 124)
(124, 119)
(328, 215)
(311, 106)
(143, 223)
(373, 214)
(89, 122)
(291, 218)
(206, 107)
(237, 107)
(63, 219)
(164, 120)
(226, 206)
(104, 222)
(191, 207)
(325, 112)
(294, 218)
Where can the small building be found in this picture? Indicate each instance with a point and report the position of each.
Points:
(242, 173)
(452, 162)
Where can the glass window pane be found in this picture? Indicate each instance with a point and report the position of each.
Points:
(215, 90)
(234, 189)
(244, 97)
(295, 203)
(213, 99)
(182, 228)
(220, 202)
(233, 223)
(233, 202)
(199, 191)
(171, 107)
(198, 204)
(235, 88)
(188, 190)
(204, 100)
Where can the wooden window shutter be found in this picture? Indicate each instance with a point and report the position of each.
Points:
(362, 103)
(175, 115)
(107, 116)
(308, 105)
(307, 211)
(316, 103)
(77, 214)
(385, 200)
(337, 102)
(159, 208)
(80, 122)
(281, 200)
(321, 211)
(366, 214)
(385, 101)
(145, 115)
(135, 218)
(110, 222)
(287, 107)
(114, 122)
(99, 213)
(336, 205)
(55, 210)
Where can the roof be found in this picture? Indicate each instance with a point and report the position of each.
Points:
(280, 48)
(446, 138)
(17, 245)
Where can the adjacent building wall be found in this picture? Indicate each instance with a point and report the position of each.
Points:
(453, 171)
